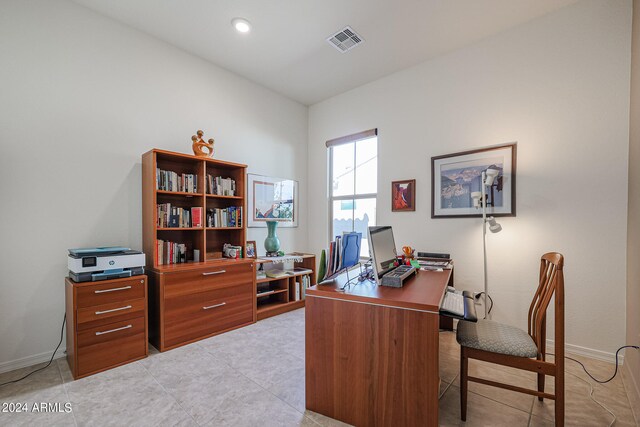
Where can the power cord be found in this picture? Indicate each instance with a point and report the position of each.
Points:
(479, 294)
(614, 372)
(64, 320)
(591, 390)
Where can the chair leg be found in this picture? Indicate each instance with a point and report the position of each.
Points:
(464, 365)
(541, 378)
(559, 392)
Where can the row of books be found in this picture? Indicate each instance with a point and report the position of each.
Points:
(170, 252)
(171, 181)
(300, 288)
(221, 186)
(227, 217)
(344, 252)
(177, 217)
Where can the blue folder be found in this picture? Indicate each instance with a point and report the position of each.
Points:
(350, 249)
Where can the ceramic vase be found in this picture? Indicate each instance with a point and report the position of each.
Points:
(272, 243)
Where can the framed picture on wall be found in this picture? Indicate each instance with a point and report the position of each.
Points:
(272, 199)
(403, 195)
(455, 176)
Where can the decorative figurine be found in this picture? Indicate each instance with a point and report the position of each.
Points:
(201, 148)
(409, 254)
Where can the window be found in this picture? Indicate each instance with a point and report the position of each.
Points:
(353, 184)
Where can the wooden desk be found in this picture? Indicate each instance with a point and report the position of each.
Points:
(372, 351)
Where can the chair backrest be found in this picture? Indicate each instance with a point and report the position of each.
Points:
(551, 282)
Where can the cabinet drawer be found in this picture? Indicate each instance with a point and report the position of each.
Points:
(108, 313)
(111, 344)
(200, 303)
(212, 312)
(112, 291)
(213, 277)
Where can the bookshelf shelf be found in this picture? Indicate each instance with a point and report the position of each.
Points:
(271, 292)
(215, 196)
(284, 294)
(274, 308)
(178, 193)
(224, 228)
(179, 228)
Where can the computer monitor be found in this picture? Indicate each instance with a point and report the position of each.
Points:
(383, 250)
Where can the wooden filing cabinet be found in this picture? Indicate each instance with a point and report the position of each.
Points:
(193, 301)
(106, 324)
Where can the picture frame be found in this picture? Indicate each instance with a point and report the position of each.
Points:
(403, 195)
(272, 199)
(455, 176)
(250, 249)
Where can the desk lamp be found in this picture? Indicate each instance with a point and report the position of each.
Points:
(479, 200)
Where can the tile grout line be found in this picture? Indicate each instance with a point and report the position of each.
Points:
(169, 394)
(66, 392)
(265, 389)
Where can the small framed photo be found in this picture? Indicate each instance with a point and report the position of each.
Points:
(250, 249)
(403, 195)
(456, 177)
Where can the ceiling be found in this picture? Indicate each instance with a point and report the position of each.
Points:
(286, 50)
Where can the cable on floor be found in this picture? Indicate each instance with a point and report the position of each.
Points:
(594, 399)
(64, 320)
(615, 372)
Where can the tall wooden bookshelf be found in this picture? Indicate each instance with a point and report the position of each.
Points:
(208, 240)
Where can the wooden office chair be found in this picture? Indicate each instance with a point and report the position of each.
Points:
(510, 346)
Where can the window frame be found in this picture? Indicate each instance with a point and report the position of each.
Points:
(354, 138)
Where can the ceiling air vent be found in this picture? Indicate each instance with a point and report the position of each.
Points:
(345, 39)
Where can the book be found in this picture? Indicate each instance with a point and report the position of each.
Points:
(170, 252)
(277, 274)
(171, 181)
(220, 186)
(196, 217)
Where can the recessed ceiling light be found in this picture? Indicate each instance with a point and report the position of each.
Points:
(241, 25)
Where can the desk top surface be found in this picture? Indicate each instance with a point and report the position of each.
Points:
(422, 292)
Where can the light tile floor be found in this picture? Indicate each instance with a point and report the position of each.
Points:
(254, 376)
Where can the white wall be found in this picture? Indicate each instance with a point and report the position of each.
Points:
(82, 98)
(632, 358)
(559, 86)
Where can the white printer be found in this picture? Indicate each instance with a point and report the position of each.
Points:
(94, 264)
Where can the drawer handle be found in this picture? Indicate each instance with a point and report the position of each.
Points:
(113, 309)
(113, 330)
(214, 306)
(112, 290)
(210, 273)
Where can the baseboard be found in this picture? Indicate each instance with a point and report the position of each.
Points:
(24, 362)
(633, 391)
(589, 352)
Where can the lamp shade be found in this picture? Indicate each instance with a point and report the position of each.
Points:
(491, 176)
(494, 227)
(476, 196)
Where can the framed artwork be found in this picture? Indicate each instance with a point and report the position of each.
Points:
(455, 176)
(272, 199)
(403, 195)
(250, 249)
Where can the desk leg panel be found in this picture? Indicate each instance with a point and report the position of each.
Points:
(371, 365)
